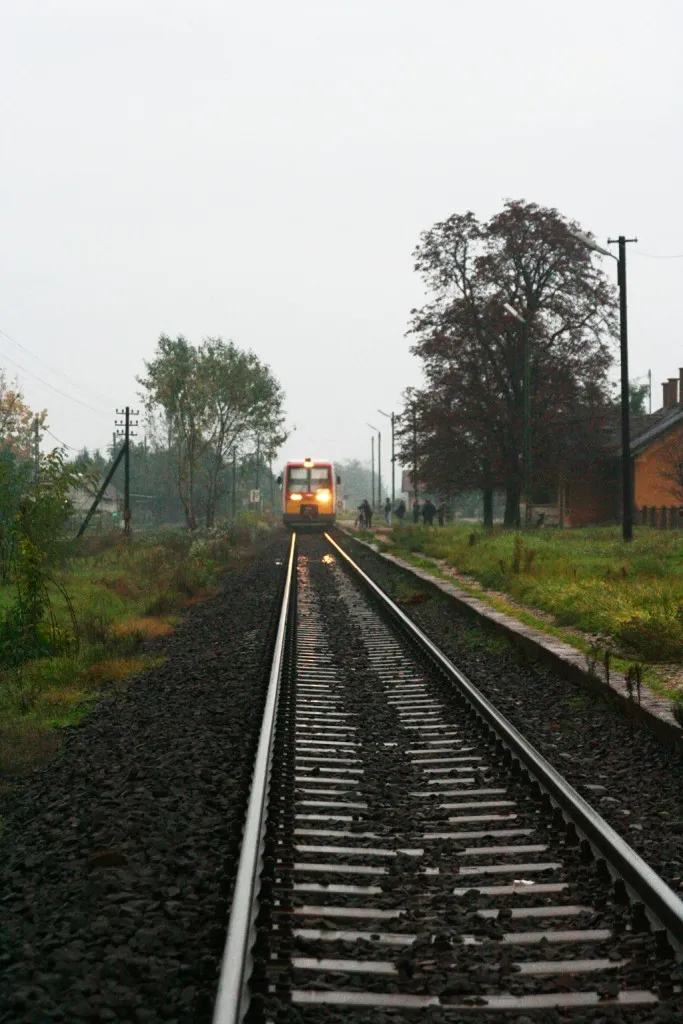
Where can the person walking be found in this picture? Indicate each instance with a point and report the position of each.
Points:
(387, 511)
(428, 512)
(401, 510)
(416, 511)
(441, 513)
(367, 512)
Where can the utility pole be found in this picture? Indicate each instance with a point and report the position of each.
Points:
(414, 411)
(526, 456)
(379, 470)
(392, 418)
(36, 443)
(626, 475)
(372, 469)
(127, 434)
(393, 461)
(234, 483)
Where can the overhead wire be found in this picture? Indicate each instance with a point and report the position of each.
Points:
(59, 440)
(59, 373)
(47, 384)
(658, 256)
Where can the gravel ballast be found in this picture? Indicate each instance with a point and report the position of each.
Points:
(629, 776)
(118, 860)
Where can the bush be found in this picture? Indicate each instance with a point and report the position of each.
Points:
(653, 637)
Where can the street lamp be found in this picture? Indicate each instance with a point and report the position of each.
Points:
(379, 466)
(527, 407)
(392, 417)
(626, 481)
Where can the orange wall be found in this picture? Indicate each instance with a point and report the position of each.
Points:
(592, 498)
(650, 486)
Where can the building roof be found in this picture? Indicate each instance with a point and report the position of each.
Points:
(651, 428)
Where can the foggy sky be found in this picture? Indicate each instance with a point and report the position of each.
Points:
(262, 171)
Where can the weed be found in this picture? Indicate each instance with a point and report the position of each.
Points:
(575, 702)
(677, 711)
(593, 657)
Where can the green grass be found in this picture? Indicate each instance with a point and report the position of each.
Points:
(632, 595)
(122, 594)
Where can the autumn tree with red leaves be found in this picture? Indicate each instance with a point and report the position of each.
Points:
(471, 413)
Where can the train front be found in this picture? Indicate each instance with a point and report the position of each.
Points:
(308, 497)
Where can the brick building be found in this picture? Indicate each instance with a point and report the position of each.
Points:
(593, 495)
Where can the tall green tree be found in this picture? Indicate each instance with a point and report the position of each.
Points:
(215, 399)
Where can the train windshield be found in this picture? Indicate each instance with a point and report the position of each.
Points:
(304, 481)
(320, 477)
(297, 482)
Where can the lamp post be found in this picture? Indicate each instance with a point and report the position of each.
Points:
(379, 464)
(392, 417)
(372, 471)
(626, 481)
(527, 408)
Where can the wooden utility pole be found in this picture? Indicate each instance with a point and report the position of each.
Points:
(127, 434)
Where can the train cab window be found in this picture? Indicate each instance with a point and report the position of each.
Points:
(320, 477)
(297, 481)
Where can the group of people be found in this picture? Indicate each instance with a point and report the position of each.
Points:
(426, 512)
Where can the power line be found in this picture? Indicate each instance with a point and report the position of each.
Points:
(658, 256)
(52, 386)
(59, 373)
(63, 443)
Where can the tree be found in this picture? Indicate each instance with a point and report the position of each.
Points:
(16, 420)
(215, 399)
(472, 411)
(356, 481)
(174, 382)
(244, 401)
(673, 466)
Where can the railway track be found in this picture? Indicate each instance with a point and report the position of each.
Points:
(407, 851)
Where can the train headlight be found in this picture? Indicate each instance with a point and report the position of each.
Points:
(295, 497)
(323, 496)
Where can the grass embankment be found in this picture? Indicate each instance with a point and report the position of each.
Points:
(629, 597)
(122, 594)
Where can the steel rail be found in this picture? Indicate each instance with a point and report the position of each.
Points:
(655, 894)
(232, 1001)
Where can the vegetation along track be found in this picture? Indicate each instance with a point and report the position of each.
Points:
(407, 851)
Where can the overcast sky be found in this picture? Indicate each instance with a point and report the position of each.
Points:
(262, 171)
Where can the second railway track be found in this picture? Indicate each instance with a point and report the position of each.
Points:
(407, 851)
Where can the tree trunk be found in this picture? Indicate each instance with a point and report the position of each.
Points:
(512, 496)
(488, 496)
(488, 508)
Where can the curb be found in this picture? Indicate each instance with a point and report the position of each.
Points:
(567, 661)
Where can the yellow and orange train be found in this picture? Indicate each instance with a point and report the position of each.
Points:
(309, 493)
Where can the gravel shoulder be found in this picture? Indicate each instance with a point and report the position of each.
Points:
(117, 863)
(628, 776)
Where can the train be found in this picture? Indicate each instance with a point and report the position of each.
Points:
(309, 493)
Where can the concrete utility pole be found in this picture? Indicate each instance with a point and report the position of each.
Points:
(372, 469)
(414, 412)
(392, 417)
(379, 469)
(127, 434)
(626, 477)
(526, 461)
